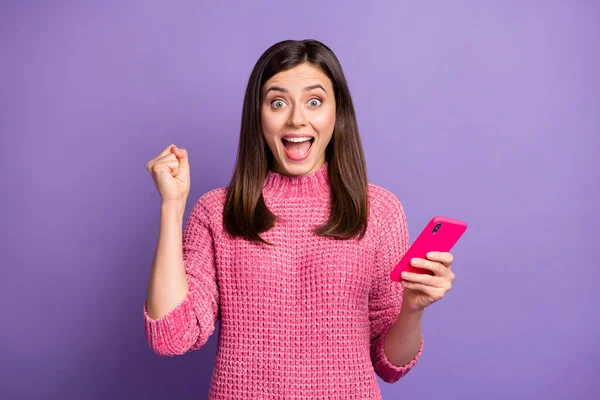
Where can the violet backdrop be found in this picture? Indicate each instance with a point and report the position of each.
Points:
(485, 111)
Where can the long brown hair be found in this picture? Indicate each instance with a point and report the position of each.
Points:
(245, 212)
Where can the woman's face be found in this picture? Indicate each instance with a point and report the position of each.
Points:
(298, 104)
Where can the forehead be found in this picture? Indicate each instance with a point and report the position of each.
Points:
(299, 77)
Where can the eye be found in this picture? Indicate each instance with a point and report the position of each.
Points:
(314, 102)
(277, 103)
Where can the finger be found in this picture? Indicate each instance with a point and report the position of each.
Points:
(164, 152)
(160, 155)
(444, 257)
(434, 294)
(169, 160)
(428, 280)
(434, 266)
(428, 290)
(182, 155)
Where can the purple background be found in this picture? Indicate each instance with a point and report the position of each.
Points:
(485, 111)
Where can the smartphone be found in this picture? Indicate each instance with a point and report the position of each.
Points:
(440, 234)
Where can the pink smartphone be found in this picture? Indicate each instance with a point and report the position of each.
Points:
(441, 234)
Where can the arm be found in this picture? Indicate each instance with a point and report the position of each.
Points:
(403, 341)
(167, 285)
(396, 336)
(182, 303)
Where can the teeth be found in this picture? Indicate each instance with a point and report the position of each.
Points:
(297, 140)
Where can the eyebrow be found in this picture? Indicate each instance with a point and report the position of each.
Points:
(306, 89)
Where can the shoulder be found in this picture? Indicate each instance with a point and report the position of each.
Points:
(384, 203)
(213, 198)
(209, 206)
(387, 213)
(385, 209)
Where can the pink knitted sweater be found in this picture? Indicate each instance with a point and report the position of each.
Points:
(305, 319)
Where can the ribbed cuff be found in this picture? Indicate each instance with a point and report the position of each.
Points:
(389, 372)
(165, 335)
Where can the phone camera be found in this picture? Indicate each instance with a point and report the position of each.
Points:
(437, 227)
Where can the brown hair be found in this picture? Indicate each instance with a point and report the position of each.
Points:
(245, 212)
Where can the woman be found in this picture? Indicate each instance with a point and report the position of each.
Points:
(294, 256)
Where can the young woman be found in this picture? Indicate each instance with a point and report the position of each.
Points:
(294, 256)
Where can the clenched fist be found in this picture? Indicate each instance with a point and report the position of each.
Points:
(170, 170)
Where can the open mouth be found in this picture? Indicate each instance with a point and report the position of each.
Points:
(298, 148)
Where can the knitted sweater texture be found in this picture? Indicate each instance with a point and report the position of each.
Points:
(304, 319)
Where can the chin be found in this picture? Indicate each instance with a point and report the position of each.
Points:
(296, 168)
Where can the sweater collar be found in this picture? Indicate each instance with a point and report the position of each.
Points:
(279, 186)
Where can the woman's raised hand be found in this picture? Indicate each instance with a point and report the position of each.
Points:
(170, 170)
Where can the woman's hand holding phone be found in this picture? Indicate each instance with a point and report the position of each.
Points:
(425, 269)
(422, 290)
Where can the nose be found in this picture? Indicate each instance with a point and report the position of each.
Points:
(297, 117)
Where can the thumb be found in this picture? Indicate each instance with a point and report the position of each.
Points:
(182, 156)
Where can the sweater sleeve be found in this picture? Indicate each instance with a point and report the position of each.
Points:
(385, 297)
(189, 324)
